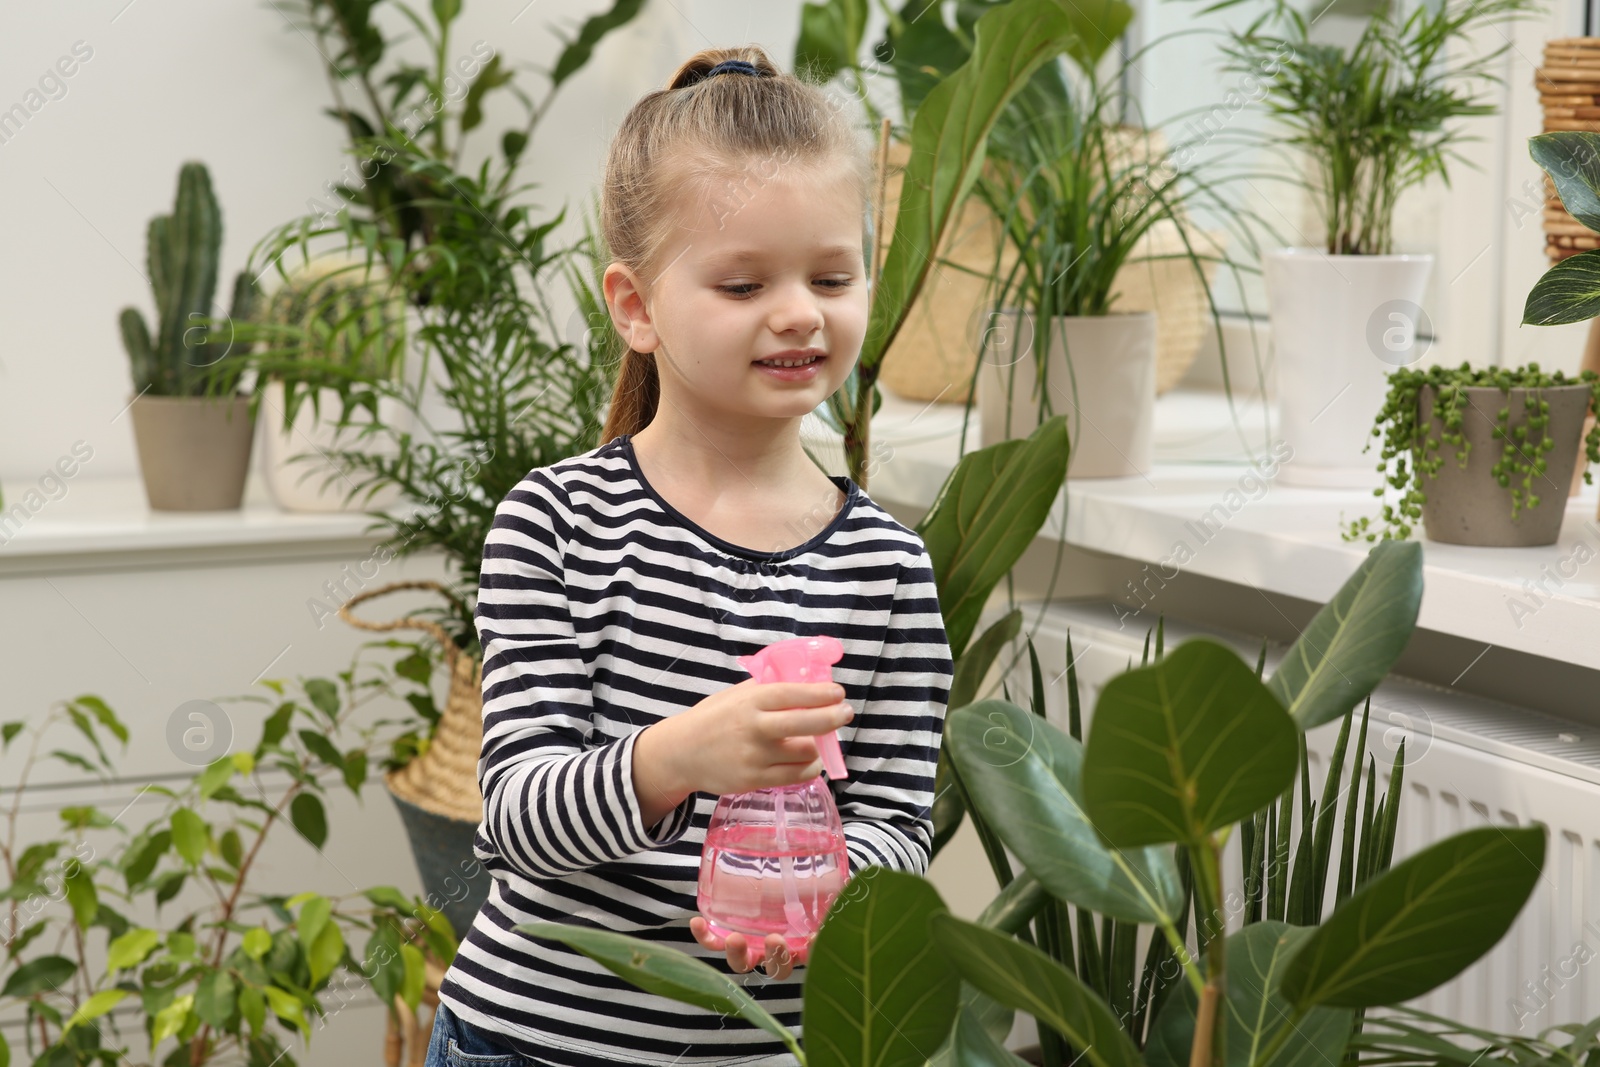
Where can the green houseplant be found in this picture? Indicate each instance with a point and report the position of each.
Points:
(344, 314)
(1125, 824)
(192, 428)
(1079, 194)
(212, 978)
(1366, 123)
(1513, 435)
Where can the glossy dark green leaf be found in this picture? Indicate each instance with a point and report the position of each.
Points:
(580, 48)
(215, 999)
(1572, 159)
(1184, 747)
(877, 988)
(1355, 639)
(972, 1046)
(663, 970)
(1569, 291)
(1254, 1009)
(1020, 976)
(1420, 923)
(1025, 777)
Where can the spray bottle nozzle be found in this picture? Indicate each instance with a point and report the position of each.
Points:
(803, 659)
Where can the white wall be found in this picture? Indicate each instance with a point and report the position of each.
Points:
(231, 83)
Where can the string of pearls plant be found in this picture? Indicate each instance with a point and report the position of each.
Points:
(1413, 447)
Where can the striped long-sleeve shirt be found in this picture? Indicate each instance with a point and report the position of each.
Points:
(602, 610)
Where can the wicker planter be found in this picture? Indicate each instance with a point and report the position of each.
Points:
(437, 793)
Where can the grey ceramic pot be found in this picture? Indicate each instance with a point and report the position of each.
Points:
(194, 452)
(1467, 506)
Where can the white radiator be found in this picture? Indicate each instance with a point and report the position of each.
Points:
(1469, 762)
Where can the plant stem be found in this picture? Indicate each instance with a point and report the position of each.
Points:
(1208, 1047)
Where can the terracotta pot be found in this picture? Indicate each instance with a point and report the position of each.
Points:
(1467, 506)
(1102, 367)
(194, 452)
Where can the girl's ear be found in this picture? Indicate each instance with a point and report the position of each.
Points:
(628, 312)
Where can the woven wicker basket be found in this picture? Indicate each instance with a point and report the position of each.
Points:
(934, 354)
(444, 779)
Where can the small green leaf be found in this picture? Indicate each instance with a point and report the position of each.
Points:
(320, 747)
(215, 999)
(47, 974)
(81, 894)
(231, 848)
(130, 949)
(215, 776)
(328, 949)
(181, 944)
(305, 812)
(190, 835)
(325, 696)
(253, 1007)
(8, 731)
(416, 973)
(257, 942)
(286, 1007)
(244, 762)
(96, 1006)
(170, 1019)
(314, 915)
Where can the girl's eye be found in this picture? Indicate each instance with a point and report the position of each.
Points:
(744, 288)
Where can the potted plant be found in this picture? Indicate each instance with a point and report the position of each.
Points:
(225, 980)
(342, 313)
(1373, 121)
(1081, 196)
(1513, 437)
(192, 428)
(1129, 824)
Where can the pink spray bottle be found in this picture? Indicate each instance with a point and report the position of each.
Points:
(775, 858)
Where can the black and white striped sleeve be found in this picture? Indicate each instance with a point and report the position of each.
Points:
(552, 805)
(886, 801)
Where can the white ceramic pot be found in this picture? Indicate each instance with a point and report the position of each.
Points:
(1101, 371)
(1340, 324)
(294, 463)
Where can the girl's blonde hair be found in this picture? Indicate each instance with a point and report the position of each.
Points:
(684, 140)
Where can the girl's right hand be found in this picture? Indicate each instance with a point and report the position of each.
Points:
(755, 735)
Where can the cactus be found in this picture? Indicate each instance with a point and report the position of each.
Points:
(181, 251)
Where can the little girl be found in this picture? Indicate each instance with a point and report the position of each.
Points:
(619, 587)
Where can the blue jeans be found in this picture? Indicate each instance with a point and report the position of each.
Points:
(457, 1043)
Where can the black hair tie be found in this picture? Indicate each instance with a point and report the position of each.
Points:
(738, 66)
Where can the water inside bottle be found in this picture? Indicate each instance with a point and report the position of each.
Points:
(742, 880)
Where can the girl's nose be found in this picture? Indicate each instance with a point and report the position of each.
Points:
(799, 309)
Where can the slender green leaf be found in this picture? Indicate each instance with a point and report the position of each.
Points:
(1421, 923)
(1184, 747)
(1354, 639)
(662, 970)
(130, 949)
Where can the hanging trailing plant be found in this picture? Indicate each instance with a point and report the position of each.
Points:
(1413, 446)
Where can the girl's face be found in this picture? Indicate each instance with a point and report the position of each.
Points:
(771, 262)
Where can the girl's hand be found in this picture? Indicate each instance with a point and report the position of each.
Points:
(742, 958)
(754, 735)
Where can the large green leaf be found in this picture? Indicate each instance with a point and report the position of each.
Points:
(1420, 923)
(1026, 979)
(1025, 776)
(663, 970)
(1572, 159)
(1568, 292)
(877, 989)
(973, 1046)
(1185, 746)
(1254, 1009)
(985, 516)
(1356, 637)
